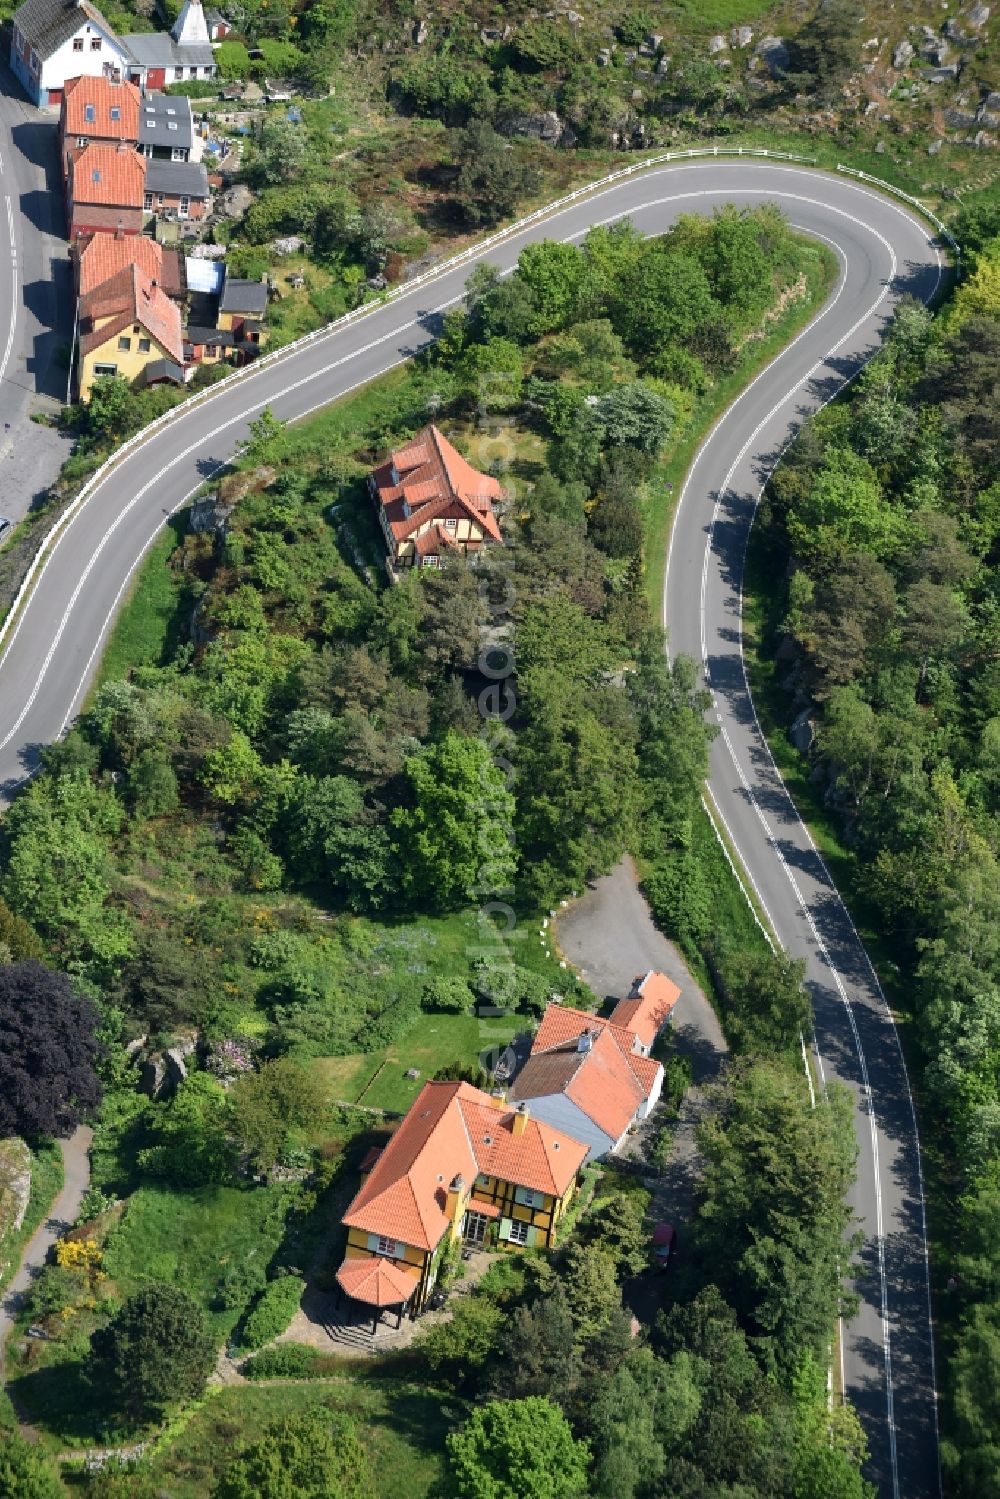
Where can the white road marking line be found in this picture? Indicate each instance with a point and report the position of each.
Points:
(887, 1349)
(13, 291)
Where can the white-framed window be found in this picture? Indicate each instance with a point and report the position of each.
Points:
(78, 44)
(144, 345)
(147, 201)
(386, 1246)
(124, 344)
(89, 113)
(518, 1231)
(178, 153)
(450, 524)
(147, 151)
(81, 140)
(116, 113)
(185, 207)
(95, 44)
(106, 369)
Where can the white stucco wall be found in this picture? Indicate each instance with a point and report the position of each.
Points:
(65, 63)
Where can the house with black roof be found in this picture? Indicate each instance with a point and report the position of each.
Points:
(176, 189)
(166, 128)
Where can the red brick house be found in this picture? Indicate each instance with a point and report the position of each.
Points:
(430, 501)
(98, 111)
(104, 191)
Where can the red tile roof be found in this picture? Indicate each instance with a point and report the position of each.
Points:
(377, 1281)
(101, 256)
(647, 1009)
(113, 176)
(103, 96)
(605, 1077)
(125, 299)
(452, 1130)
(427, 480)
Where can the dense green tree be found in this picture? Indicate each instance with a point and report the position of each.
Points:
(777, 1252)
(517, 1449)
(25, 1471)
(538, 1353)
(154, 1353)
(767, 1008)
(454, 838)
(266, 1105)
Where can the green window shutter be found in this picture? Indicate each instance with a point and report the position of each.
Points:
(504, 1229)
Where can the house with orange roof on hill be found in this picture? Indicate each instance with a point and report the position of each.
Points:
(462, 1168)
(129, 327)
(431, 502)
(594, 1077)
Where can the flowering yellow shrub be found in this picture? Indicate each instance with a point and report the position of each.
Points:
(79, 1254)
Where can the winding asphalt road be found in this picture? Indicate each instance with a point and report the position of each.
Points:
(884, 251)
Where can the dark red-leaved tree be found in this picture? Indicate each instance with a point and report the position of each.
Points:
(48, 1052)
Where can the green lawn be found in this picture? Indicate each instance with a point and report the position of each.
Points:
(377, 1079)
(403, 1426)
(189, 1238)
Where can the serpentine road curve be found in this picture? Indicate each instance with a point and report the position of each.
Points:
(50, 656)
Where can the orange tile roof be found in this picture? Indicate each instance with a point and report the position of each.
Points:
(608, 1080)
(377, 1281)
(452, 1130)
(101, 256)
(103, 96)
(433, 481)
(112, 176)
(127, 298)
(647, 1009)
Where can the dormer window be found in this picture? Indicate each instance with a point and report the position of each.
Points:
(116, 113)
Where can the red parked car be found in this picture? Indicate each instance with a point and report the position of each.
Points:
(664, 1245)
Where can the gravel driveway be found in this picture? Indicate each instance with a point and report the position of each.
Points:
(609, 936)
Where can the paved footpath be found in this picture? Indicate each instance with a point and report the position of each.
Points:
(76, 1179)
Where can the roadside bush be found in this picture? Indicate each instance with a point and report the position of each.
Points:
(274, 1309)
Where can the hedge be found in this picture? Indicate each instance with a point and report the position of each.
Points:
(272, 1311)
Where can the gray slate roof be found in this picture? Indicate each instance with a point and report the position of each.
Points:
(156, 49)
(165, 121)
(184, 177)
(248, 297)
(47, 24)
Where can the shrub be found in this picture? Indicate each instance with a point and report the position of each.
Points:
(241, 1281)
(287, 1361)
(274, 1309)
(447, 996)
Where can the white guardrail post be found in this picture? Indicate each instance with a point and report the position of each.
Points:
(471, 252)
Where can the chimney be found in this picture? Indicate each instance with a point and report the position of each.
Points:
(456, 1192)
(519, 1122)
(586, 1041)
